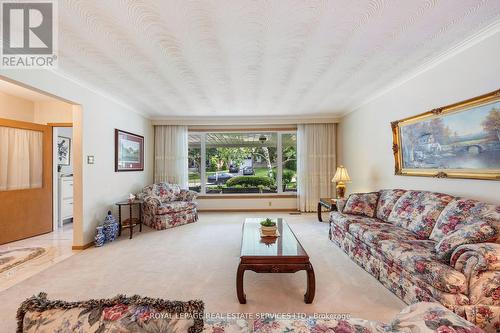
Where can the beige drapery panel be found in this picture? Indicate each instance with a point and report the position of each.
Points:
(171, 154)
(316, 164)
(21, 159)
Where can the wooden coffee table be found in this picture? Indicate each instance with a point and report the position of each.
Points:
(283, 254)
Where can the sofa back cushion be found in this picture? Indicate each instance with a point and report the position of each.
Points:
(386, 202)
(461, 212)
(418, 211)
(478, 231)
(362, 204)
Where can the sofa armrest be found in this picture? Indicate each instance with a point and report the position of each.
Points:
(151, 204)
(472, 259)
(426, 317)
(187, 195)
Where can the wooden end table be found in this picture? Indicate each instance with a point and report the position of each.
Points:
(282, 254)
(131, 222)
(328, 203)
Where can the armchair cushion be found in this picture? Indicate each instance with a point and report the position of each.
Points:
(362, 204)
(174, 207)
(476, 232)
(166, 192)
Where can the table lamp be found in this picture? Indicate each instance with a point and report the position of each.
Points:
(341, 177)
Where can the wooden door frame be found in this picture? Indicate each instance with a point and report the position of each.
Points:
(55, 181)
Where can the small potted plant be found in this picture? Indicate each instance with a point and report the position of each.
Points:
(268, 227)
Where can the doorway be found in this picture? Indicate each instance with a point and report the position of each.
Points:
(33, 169)
(62, 175)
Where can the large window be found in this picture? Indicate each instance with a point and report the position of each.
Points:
(245, 162)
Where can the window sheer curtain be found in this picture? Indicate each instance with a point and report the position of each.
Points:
(316, 164)
(171, 155)
(21, 160)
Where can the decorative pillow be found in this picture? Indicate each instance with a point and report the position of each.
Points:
(386, 202)
(362, 204)
(461, 212)
(479, 231)
(120, 314)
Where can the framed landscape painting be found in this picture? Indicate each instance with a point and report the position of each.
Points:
(461, 140)
(129, 151)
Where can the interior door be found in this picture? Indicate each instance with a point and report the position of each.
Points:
(25, 180)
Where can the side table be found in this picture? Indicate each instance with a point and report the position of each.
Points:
(328, 203)
(131, 222)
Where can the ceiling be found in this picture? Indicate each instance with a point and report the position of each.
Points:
(214, 58)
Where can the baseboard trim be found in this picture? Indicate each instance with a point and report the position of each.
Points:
(248, 210)
(82, 247)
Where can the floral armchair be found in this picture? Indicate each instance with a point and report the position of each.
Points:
(167, 206)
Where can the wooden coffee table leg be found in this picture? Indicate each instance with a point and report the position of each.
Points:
(239, 284)
(320, 218)
(311, 285)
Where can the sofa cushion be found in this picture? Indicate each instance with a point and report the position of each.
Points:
(343, 221)
(418, 211)
(386, 202)
(475, 232)
(174, 207)
(362, 204)
(461, 212)
(120, 314)
(375, 231)
(417, 257)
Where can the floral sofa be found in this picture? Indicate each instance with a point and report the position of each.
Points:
(167, 205)
(426, 246)
(124, 314)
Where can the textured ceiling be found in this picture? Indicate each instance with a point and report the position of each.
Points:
(256, 58)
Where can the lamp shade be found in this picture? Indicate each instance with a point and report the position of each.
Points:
(341, 175)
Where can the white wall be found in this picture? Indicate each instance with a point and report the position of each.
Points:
(102, 187)
(15, 108)
(365, 136)
(268, 203)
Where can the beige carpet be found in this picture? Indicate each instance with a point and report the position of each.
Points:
(199, 261)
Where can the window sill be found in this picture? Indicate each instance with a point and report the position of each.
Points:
(248, 196)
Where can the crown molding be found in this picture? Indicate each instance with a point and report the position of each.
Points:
(271, 120)
(98, 92)
(467, 43)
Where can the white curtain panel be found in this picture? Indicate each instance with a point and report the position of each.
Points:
(316, 164)
(21, 159)
(171, 155)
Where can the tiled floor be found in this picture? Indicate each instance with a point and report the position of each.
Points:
(58, 246)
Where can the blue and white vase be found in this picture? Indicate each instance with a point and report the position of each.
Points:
(110, 227)
(99, 236)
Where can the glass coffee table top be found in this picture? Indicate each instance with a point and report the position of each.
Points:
(253, 245)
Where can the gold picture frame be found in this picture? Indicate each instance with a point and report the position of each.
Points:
(460, 140)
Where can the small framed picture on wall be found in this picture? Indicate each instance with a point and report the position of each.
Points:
(63, 150)
(129, 151)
